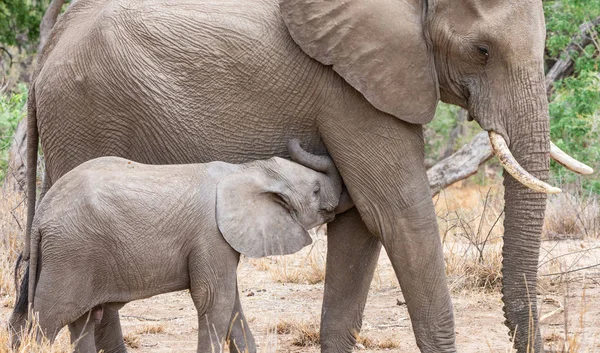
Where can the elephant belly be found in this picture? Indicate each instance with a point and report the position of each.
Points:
(208, 81)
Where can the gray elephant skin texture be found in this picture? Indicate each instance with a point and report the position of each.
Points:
(182, 81)
(111, 231)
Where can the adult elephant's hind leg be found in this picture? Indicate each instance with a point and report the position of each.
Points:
(108, 334)
(352, 254)
(239, 335)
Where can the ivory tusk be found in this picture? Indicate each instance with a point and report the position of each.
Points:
(511, 165)
(567, 161)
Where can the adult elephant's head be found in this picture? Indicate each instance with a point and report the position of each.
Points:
(485, 56)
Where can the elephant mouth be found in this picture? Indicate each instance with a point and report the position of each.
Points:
(510, 164)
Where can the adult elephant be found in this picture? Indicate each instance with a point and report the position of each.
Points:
(195, 81)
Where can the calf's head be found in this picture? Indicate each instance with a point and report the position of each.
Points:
(268, 207)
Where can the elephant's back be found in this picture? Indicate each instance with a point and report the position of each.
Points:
(111, 217)
(177, 82)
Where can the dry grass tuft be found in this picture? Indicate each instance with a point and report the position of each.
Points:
(306, 335)
(30, 345)
(284, 327)
(150, 330)
(369, 343)
(132, 340)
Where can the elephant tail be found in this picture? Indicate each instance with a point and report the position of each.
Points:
(22, 301)
(32, 156)
(26, 289)
(33, 264)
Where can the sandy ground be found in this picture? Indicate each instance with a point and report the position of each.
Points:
(267, 302)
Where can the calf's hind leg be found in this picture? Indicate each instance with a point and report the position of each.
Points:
(108, 333)
(82, 334)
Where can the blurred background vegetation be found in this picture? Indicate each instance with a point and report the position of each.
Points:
(574, 101)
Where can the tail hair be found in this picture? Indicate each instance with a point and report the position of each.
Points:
(22, 301)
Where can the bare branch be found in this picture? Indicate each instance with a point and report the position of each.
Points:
(461, 164)
(571, 271)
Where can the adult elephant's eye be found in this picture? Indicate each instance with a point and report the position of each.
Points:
(484, 51)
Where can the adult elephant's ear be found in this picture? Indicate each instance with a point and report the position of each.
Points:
(377, 46)
(254, 215)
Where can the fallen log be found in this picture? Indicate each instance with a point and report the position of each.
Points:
(460, 165)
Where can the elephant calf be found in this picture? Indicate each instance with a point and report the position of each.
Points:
(112, 231)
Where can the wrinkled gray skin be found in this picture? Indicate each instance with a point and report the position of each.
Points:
(112, 231)
(187, 81)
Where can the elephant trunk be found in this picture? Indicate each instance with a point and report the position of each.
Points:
(323, 164)
(524, 217)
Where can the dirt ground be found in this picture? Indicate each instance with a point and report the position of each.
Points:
(277, 296)
(478, 315)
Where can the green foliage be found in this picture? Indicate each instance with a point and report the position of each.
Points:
(563, 18)
(438, 130)
(12, 110)
(575, 124)
(21, 19)
(575, 104)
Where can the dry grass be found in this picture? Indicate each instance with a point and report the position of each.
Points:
(150, 330)
(370, 343)
(572, 215)
(306, 334)
(471, 229)
(132, 340)
(12, 216)
(304, 267)
(284, 327)
(29, 344)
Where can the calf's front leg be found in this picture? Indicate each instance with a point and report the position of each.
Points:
(239, 335)
(213, 287)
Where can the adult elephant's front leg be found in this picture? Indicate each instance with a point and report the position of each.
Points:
(352, 254)
(382, 162)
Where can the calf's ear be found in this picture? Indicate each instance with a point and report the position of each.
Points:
(255, 216)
